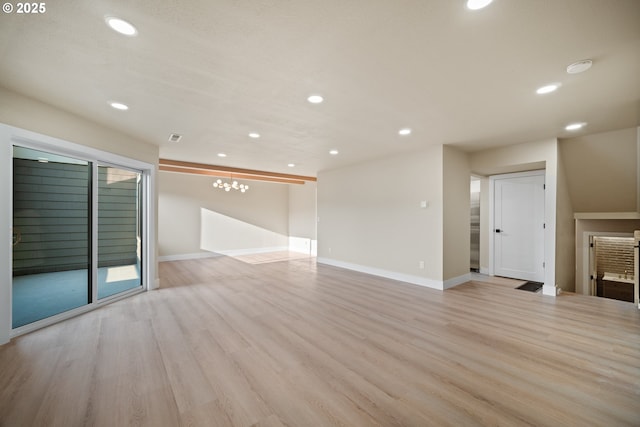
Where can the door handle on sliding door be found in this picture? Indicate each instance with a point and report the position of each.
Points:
(17, 236)
(498, 230)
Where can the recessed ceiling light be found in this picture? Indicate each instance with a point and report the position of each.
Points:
(254, 135)
(580, 66)
(222, 155)
(478, 4)
(315, 99)
(121, 26)
(119, 105)
(575, 126)
(405, 131)
(333, 152)
(548, 88)
(292, 165)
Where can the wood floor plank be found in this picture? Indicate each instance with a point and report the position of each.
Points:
(188, 383)
(253, 342)
(237, 399)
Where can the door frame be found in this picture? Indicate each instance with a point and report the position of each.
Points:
(492, 179)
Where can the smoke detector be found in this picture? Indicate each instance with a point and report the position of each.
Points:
(580, 66)
(174, 137)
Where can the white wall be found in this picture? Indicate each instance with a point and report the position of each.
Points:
(302, 218)
(456, 215)
(565, 231)
(26, 113)
(602, 171)
(485, 225)
(196, 219)
(371, 219)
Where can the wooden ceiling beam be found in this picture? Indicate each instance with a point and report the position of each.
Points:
(225, 171)
(257, 173)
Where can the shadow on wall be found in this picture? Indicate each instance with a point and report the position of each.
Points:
(221, 233)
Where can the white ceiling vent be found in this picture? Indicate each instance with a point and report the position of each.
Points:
(174, 137)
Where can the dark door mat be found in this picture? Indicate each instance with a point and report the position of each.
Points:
(530, 286)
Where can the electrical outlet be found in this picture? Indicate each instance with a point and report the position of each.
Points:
(421, 265)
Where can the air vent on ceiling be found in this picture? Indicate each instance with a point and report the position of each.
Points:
(174, 137)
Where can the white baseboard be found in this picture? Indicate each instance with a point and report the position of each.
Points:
(303, 245)
(402, 277)
(251, 251)
(181, 257)
(484, 270)
(550, 290)
(455, 281)
(481, 277)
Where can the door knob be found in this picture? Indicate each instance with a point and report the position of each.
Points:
(498, 230)
(17, 236)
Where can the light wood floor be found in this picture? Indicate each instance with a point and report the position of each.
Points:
(226, 343)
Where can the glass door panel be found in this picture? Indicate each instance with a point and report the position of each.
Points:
(51, 243)
(119, 230)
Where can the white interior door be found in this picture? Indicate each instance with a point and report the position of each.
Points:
(519, 226)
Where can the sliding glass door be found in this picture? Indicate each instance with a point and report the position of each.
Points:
(119, 230)
(77, 233)
(52, 234)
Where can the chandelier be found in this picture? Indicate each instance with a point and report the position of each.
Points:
(230, 185)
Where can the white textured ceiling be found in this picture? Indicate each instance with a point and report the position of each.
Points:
(215, 70)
